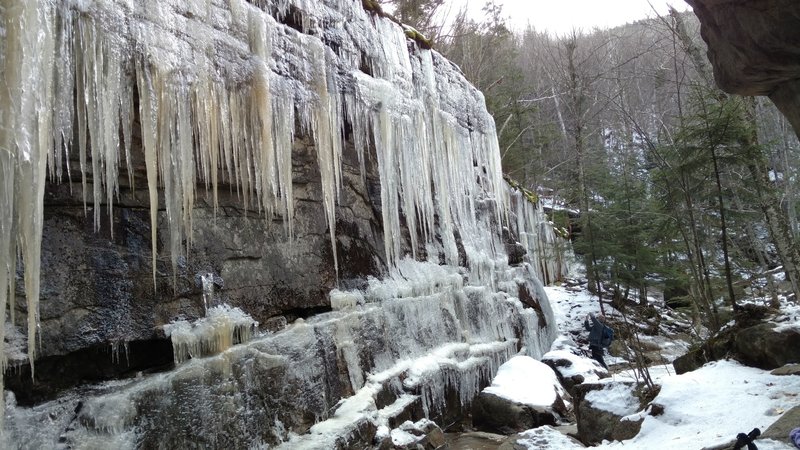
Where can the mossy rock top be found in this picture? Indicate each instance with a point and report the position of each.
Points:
(374, 7)
(529, 195)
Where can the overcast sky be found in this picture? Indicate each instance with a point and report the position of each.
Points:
(561, 16)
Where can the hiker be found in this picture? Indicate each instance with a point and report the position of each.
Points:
(600, 336)
(794, 437)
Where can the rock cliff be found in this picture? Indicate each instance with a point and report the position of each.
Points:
(303, 161)
(753, 47)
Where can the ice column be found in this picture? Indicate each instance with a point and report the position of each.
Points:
(25, 138)
(327, 135)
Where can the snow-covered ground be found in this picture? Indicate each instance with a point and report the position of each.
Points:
(707, 407)
(703, 408)
(571, 305)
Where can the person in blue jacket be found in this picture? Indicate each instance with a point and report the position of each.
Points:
(600, 336)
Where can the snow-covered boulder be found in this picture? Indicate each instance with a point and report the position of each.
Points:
(525, 394)
(607, 411)
(572, 369)
(412, 435)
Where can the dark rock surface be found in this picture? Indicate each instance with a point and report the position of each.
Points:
(711, 350)
(753, 47)
(97, 288)
(494, 414)
(765, 347)
(477, 440)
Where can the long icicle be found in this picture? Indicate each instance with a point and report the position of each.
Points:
(147, 106)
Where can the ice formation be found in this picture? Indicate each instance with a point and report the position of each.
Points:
(220, 99)
(417, 345)
(222, 327)
(222, 87)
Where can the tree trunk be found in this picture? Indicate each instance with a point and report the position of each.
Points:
(723, 224)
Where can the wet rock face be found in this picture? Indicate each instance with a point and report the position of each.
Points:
(97, 288)
(753, 46)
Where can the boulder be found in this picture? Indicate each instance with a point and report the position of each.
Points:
(779, 430)
(754, 48)
(695, 358)
(477, 439)
(627, 428)
(752, 45)
(422, 435)
(495, 414)
(601, 407)
(767, 347)
(789, 369)
(524, 394)
(573, 370)
(763, 345)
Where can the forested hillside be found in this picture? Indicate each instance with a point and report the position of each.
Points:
(678, 186)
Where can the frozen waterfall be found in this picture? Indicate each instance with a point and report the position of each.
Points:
(213, 93)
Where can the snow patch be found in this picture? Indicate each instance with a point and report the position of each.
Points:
(577, 365)
(616, 398)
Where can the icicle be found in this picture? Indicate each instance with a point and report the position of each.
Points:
(126, 117)
(148, 105)
(327, 135)
(8, 163)
(169, 126)
(359, 121)
(264, 150)
(80, 102)
(283, 132)
(208, 290)
(384, 142)
(64, 101)
(184, 165)
(205, 132)
(26, 139)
